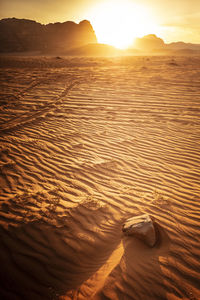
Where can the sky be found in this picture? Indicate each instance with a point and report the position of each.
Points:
(116, 22)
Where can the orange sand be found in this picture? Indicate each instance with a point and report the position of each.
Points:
(84, 144)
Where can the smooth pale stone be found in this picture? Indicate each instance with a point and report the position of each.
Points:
(141, 227)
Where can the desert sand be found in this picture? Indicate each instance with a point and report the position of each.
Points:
(86, 143)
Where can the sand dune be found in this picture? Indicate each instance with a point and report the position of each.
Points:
(84, 144)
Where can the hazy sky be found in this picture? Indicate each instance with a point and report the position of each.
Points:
(173, 20)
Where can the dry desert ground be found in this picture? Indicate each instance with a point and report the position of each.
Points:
(86, 143)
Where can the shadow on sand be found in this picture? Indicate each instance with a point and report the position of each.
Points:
(41, 261)
(139, 274)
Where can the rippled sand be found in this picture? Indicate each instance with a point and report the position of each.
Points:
(84, 144)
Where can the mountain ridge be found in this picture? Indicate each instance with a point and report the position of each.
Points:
(24, 35)
(152, 42)
(19, 35)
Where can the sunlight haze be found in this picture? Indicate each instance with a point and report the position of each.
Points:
(116, 22)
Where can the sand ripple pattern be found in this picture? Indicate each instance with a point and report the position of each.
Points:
(84, 144)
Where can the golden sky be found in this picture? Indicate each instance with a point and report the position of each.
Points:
(116, 22)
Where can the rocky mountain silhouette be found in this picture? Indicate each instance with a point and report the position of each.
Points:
(152, 42)
(183, 46)
(149, 42)
(69, 38)
(19, 35)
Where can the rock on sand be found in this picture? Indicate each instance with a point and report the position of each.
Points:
(141, 227)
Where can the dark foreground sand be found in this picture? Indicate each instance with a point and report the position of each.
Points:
(84, 144)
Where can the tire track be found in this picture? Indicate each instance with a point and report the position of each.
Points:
(28, 118)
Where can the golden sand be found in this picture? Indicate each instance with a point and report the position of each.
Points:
(86, 143)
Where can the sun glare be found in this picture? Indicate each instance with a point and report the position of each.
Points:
(118, 23)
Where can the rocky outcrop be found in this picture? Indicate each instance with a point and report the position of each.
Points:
(149, 43)
(141, 227)
(19, 35)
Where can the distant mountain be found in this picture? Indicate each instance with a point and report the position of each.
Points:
(19, 35)
(151, 43)
(182, 46)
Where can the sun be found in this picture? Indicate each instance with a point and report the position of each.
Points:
(118, 23)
